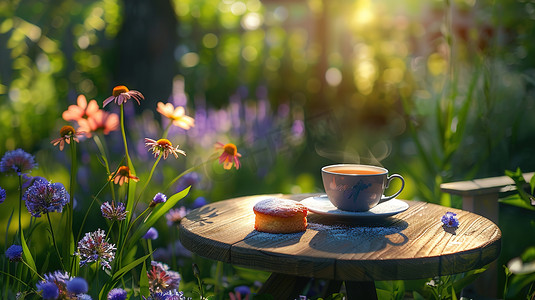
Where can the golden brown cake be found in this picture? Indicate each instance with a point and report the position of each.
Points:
(276, 215)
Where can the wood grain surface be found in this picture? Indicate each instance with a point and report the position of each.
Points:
(410, 245)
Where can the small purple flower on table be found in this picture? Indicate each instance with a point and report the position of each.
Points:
(17, 161)
(14, 253)
(450, 219)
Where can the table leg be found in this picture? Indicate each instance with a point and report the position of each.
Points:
(283, 286)
(360, 290)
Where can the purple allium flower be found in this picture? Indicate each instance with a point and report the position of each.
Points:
(151, 234)
(28, 180)
(201, 201)
(93, 247)
(161, 279)
(83, 297)
(175, 215)
(17, 161)
(49, 290)
(2, 195)
(189, 179)
(77, 285)
(58, 277)
(117, 294)
(14, 253)
(169, 295)
(112, 212)
(450, 219)
(43, 197)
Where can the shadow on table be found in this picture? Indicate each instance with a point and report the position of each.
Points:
(272, 240)
(337, 235)
(202, 215)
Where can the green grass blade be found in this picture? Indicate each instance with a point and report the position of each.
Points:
(26, 254)
(159, 211)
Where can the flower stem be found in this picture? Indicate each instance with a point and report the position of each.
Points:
(147, 181)
(34, 271)
(166, 131)
(149, 244)
(123, 132)
(20, 207)
(102, 148)
(70, 209)
(54, 240)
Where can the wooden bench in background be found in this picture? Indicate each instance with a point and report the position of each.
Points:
(481, 196)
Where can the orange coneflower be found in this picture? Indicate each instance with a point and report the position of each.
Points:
(65, 133)
(177, 115)
(230, 155)
(163, 146)
(80, 111)
(101, 120)
(121, 94)
(122, 175)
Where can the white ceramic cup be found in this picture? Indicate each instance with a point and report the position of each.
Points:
(354, 187)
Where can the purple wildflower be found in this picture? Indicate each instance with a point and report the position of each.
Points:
(44, 197)
(28, 180)
(14, 253)
(189, 179)
(450, 219)
(112, 212)
(201, 201)
(3, 195)
(151, 234)
(243, 290)
(117, 294)
(54, 285)
(77, 285)
(48, 290)
(169, 295)
(158, 198)
(17, 161)
(175, 215)
(94, 247)
(83, 297)
(161, 279)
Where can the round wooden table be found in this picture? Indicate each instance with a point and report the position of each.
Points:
(410, 245)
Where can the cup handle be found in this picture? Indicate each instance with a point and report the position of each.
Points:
(388, 179)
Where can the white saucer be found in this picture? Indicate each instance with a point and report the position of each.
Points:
(322, 205)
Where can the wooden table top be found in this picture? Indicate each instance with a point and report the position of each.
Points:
(409, 245)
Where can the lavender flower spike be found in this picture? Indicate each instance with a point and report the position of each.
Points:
(44, 197)
(93, 247)
(158, 198)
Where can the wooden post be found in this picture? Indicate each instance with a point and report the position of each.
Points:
(481, 196)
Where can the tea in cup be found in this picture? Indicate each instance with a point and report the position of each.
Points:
(354, 187)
